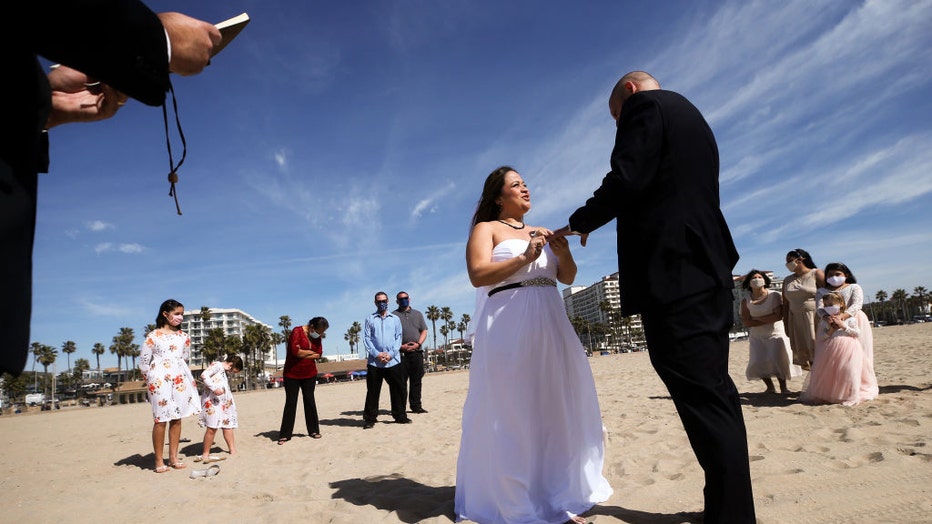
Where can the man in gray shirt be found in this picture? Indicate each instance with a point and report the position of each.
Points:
(413, 334)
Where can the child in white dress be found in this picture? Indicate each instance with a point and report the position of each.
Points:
(218, 411)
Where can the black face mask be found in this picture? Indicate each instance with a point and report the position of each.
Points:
(404, 302)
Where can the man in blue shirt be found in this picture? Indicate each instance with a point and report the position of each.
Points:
(382, 339)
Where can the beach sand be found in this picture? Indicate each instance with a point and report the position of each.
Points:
(869, 463)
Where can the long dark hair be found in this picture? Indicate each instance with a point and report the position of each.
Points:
(486, 208)
(803, 254)
(168, 305)
(838, 266)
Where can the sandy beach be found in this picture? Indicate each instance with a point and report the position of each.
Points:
(869, 463)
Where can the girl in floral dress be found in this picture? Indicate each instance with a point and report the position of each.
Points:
(172, 391)
(217, 407)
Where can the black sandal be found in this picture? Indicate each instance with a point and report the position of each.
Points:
(315, 435)
(283, 440)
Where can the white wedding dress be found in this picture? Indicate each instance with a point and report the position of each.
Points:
(532, 446)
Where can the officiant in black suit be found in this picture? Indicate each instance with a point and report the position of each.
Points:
(120, 43)
(675, 257)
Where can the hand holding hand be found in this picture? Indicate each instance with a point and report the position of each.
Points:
(564, 231)
(560, 245)
(218, 391)
(192, 42)
(536, 246)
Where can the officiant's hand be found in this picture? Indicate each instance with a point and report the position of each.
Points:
(192, 42)
(78, 98)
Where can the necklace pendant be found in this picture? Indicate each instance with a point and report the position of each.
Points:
(512, 226)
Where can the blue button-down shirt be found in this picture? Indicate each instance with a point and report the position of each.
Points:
(382, 334)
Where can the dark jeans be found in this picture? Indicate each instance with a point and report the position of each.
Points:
(306, 385)
(395, 377)
(413, 364)
(688, 344)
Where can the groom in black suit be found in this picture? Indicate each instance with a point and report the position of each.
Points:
(675, 256)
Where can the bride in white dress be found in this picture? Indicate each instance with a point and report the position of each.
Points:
(532, 445)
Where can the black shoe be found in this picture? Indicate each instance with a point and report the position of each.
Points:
(403, 421)
(368, 425)
(419, 410)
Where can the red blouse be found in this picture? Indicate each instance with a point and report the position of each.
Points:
(301, 368)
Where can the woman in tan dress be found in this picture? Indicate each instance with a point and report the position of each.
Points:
(799, 290)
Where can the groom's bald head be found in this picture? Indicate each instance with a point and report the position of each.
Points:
(628, 85)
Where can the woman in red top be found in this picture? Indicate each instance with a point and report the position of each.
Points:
(304, 348)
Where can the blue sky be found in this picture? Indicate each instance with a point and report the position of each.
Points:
(338, 148)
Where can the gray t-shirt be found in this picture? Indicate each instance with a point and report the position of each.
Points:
(412, 323)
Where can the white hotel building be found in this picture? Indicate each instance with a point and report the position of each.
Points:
(231, 321)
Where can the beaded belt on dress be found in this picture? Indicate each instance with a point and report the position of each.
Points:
(539, 282)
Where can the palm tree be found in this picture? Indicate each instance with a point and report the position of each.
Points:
(610, 316)
(920, 293)
(123, 347)
(276, 338)
(433, 314)
(285, 322)
(35, 348)
(98, 350)
(256, 342)
(204, 316)
(899, 298)
(352, 335)
(80, 366)
(444, 330)
(68, 348)
(213, 344)
(465, 319)
(461, 328)
(47, 356)
(881, 297)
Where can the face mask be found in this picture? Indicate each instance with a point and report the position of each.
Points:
(383, 306)
(403, 302)
(313, 335)
(791, 265)
(757, 282)
(176, 320)
(835, 280)
(831, 310)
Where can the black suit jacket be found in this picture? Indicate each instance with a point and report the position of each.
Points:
(119, 42)
(663, 190)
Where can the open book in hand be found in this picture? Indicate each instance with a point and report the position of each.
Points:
(229, 29)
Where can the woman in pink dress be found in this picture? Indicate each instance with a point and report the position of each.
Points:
(839, 361)
(838, 278)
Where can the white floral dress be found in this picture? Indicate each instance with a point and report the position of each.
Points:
(172, 391)
(217, 411)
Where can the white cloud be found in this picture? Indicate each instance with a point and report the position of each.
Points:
(99, 225)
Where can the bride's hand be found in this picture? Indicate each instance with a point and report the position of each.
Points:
(535, 247)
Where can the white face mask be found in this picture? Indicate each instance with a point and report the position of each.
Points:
(791, 265)
(831, 310)
(757, 282)
(313, 335)
(835, 280)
